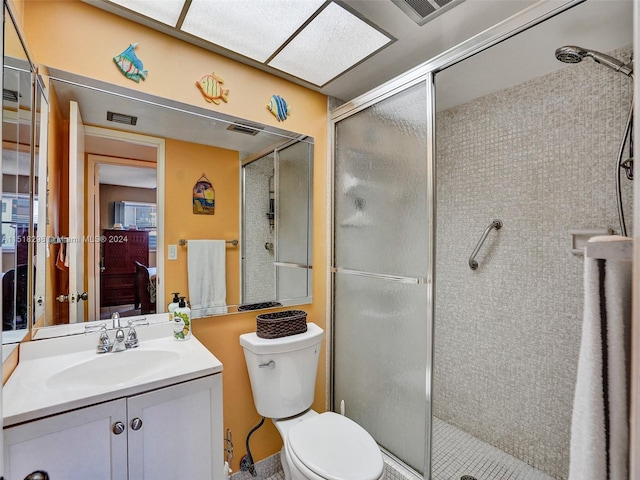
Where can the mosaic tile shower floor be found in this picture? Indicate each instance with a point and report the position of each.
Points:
(457, 453)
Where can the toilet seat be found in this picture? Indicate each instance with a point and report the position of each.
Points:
(332, 447)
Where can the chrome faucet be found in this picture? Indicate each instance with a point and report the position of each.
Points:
(121, 341)
(118, 342)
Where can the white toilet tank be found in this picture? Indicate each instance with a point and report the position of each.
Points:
(283, 371)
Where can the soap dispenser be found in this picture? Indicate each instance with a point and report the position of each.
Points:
(182, 321)
(173, 305)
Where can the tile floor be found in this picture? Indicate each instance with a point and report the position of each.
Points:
(456, 454)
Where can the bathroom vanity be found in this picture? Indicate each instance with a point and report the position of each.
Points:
(150, 412)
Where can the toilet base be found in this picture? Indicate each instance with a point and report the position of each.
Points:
(292, 467)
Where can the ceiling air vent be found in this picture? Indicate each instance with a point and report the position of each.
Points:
(423, 11)
(245, 128)
(122, 118)
(10, 95)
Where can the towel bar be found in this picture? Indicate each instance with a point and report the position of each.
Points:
(183, 242)
(497, 224)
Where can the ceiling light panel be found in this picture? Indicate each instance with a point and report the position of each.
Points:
(164, 11)
(331, 43)
(255, 29)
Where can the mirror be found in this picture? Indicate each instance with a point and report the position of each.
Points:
(145, 174)
(276, 252)
(24, 110)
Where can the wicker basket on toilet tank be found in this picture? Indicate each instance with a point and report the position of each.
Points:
(281, 324)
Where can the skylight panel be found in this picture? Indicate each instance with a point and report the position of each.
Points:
(255, 29)
(330, 44)
(164, 11)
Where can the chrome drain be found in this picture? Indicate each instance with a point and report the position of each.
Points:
(468, 477)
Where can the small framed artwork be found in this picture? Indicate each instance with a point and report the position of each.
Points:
(204, 197)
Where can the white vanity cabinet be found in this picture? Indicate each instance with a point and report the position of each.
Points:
(168, 433)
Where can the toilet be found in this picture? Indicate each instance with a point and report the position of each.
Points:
(316, 446)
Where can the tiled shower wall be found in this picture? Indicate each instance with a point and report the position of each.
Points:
(258, 273)
(541, 157)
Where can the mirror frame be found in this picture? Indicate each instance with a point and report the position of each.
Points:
(37, 88)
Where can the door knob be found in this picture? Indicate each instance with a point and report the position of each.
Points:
(83, 296)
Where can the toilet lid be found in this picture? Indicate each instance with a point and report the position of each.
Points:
(336, 448)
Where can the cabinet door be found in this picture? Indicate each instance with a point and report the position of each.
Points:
(74, 445)
(181, 432)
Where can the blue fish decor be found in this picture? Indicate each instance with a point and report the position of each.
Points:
(130, 65)
(278, 106)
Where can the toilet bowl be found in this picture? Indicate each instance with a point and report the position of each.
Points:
(316, 446)
(328, 446)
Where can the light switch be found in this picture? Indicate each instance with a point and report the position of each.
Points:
(172, 252)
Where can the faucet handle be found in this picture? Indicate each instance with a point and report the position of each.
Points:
(104, 342)
(94, 327)
(137, 321)
(132, 337)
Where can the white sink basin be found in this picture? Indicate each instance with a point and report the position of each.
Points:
(60, 374)
(113, 369)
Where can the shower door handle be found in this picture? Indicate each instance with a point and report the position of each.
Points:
(497, 224)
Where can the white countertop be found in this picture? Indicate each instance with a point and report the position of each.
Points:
(29, 393)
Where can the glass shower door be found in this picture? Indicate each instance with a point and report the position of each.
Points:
(381, 332)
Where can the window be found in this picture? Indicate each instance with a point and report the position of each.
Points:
(140, 215)
(15, 219)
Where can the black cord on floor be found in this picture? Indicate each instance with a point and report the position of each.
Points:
(246, 462)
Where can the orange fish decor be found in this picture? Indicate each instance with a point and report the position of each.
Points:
(211, 88)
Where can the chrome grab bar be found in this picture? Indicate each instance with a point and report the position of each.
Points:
(497, 224)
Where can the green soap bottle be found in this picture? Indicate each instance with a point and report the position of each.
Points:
(182, 321)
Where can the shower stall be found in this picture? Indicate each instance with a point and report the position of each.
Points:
(462, 373)
(276, 225)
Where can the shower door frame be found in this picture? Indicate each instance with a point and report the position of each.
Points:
(527, 18)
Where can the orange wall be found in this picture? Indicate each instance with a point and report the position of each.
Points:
(184, 164)
(79, 38)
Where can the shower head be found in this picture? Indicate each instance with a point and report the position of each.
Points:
(573, 54)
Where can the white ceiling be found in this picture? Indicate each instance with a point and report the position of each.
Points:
(412, 44)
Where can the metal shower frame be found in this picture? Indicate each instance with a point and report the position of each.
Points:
(530, 17)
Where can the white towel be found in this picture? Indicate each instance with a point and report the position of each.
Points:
(207, 277)
(599, 429)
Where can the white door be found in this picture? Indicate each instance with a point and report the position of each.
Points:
(75, 247)
(41, 260)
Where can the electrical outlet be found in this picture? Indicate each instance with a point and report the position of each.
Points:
(172, 252)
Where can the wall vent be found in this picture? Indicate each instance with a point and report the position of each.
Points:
(10, 95)
(122, 118)
(245, 128)
(423, 11)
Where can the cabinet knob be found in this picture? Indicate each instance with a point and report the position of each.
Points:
(118, 428)
(136, 424)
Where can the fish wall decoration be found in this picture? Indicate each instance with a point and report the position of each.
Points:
(130, 65)
(278, 106)
(211, 88)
